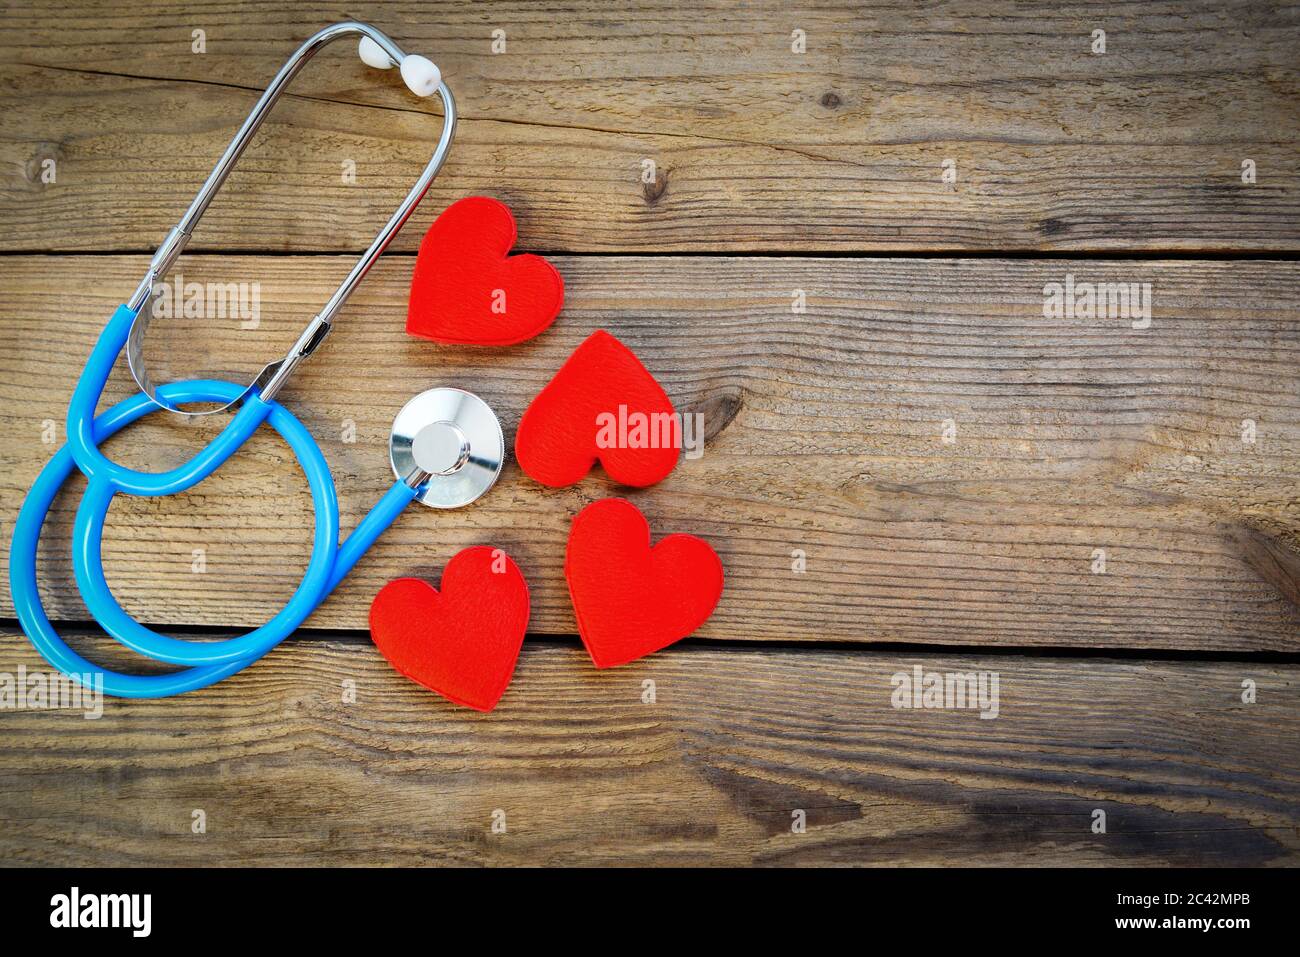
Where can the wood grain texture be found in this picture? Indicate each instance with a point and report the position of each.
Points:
(823, 435)
(709, 773)
(755, 147)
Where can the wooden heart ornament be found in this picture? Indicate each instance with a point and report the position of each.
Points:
(467, 290)
(462, 641)
(603, 405)
(631, 599)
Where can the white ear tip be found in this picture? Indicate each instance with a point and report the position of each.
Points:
(422, 75)
(372, 54)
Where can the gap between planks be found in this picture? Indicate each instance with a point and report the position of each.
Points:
(822, 432)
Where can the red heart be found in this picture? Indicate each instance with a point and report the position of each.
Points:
(596, 396)
(461, 642)
(466, 290)
(631, 599)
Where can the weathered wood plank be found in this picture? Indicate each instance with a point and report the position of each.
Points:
(824, 434)
(711, 772)
(756, 147)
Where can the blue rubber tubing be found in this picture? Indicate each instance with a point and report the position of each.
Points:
(206, 661)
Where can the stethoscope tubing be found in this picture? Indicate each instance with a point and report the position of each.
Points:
(206, 661)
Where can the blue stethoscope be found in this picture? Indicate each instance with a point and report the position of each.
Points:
(446, 446)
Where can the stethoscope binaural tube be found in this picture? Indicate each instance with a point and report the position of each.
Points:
(423, 79)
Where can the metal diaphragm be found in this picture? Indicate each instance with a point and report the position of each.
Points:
(448, 443)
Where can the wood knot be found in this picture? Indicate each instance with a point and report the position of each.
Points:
(652, 191)
(719, 407)
(831, 100)
(42, 169)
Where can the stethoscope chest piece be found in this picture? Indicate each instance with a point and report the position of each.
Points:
(448, 445)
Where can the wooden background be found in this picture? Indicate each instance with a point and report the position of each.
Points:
(774, 172)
